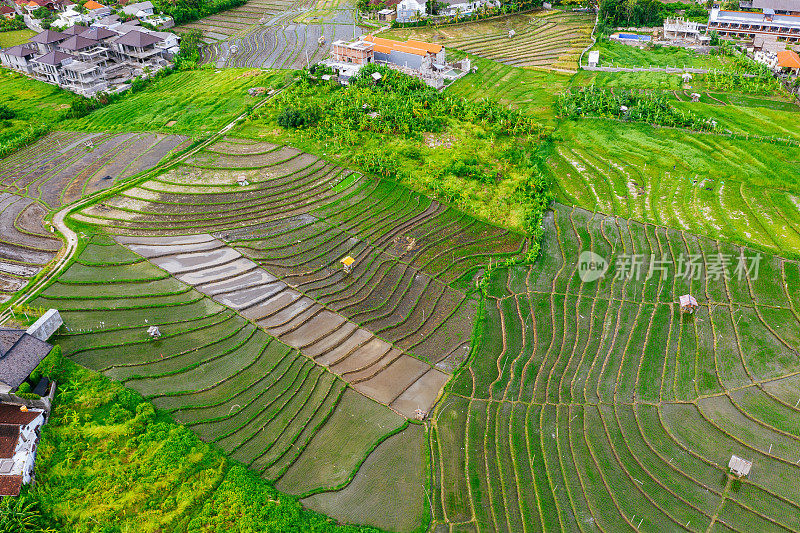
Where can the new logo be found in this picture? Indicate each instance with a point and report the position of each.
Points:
(591, 266)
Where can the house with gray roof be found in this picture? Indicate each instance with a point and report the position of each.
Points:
(19, 57)
(20, 353)
(96, 59)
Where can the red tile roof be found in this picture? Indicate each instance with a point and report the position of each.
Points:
(788, 58)
(418, 48)
(12, 414)
(9, 435)
(10, 485)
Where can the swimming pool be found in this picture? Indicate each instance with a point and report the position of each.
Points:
(632, 37)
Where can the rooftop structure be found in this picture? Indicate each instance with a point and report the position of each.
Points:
(139, 9)
(594, 58)
(417, 58)
(788, 59)
(20, 353)
(744, 24)
(46, 325)
(688, 303)
(739, 467)
(779, 7)
(75, 29)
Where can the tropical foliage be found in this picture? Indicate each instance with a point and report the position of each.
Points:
(638, 106)
(392, 127)
(632, 12)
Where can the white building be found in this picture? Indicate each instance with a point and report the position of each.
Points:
(468, 8)
(745, 25)
(19, 436)
(410, 10)
(139, 9)
(97, 59)
(739, 467)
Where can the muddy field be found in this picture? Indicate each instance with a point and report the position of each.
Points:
(56, 171)
(370, 364)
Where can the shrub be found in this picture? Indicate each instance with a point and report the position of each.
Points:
(293, 117)
(6, 113)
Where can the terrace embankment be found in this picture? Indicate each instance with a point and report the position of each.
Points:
(263, 228)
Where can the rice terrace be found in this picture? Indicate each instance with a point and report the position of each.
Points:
(413, 267)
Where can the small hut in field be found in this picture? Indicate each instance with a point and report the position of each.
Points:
(347, 263)
(739, 467)
(688, 304)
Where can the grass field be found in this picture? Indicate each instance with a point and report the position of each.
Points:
(708, 184)
(598, 406)
(13, 38)
(35, 103)
(614, 54)
(188, 103)
(546, 39)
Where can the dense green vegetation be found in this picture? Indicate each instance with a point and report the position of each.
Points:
(650, 107)
(479, 155)
(184, 11)
(647, 12)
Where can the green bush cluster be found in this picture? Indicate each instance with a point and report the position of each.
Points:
(396, 104)
(647, 12)
(650, 107)
(17, 23)
(184, 11)
(294, 117)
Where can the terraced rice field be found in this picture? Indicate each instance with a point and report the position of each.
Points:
(275, 33)
(257, 398)
(547, 39)
(394, 328)
(599, 406)
(371, 365)
(58, 170)
(746, 192)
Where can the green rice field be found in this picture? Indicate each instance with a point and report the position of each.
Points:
(712, 185)
(599, 406)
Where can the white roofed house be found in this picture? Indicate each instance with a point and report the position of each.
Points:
(145, 12)
(410, 10)
(139, 9)
(747, 25)
(739, 467)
